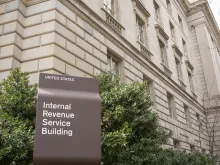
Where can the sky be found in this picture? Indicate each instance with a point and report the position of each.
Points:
(215, 6)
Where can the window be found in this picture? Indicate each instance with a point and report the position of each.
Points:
(163, 53)
(192, 148)
(187, 113)
(180, 22)
(199, 122)
(113, 65)
(178, 68)
(176, 144)
(172, 30)
(171, 105)
(157, 11)
(140, 29)
(184, 47)
(191, 82)
(150, 86)
(109, 6)
(169, 6)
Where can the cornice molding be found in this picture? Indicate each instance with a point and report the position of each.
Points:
(202, 5)
(161, 31)
(141, 7)
(177, 50)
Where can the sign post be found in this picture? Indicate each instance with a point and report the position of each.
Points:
(68, 121)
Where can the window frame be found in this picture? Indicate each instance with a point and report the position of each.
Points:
(180, 22)
(191, 84)
(185, 52)
(157, 11)
(163, 55)
(176, 144)
(108, 10)
(116, 61)
(172, 31)
(179, 68)
(169, 7)
(171, 105)
(187, 114)
(142, 23)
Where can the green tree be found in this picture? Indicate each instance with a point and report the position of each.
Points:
(17, 116)
(131, 133)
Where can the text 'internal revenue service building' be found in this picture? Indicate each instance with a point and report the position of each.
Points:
(68, 122)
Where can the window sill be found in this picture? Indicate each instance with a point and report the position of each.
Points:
(144, 50)
(167, 71)
(112, 22)
(194, 95)
(182, 85)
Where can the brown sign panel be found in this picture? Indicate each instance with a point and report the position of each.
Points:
(68, 122)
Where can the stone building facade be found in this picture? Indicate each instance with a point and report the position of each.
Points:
(170, 44)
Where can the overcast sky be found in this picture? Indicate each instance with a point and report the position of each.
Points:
(215, 6)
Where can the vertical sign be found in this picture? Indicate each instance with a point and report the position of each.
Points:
(68, 121)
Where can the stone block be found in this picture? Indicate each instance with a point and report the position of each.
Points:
(129, 74)
(84, 45)
(51, 38)
(51, 72)
(72, 71)
(41, 7)
(75, 50)
(2, 8)
(34, 78)
(96, 71)
(31, 42)
(65, 32)
(100, 55)
(37, 53)
(9, 28)
(98, 36)
(103, 49)
(11, 6)
(32, 31)
(76, 29)
(66, 11)
(1, 30)
(49, 16)
(92, 41)
(8, 17)
(92, 60)
(64, 55)
(115, 48)
(33, 20)
(60, 18)
(84, 66)
(47, 27)
(84, 25)
(6, 64)
(7, 39)
(3, 75)
(30, 66)
(9, 51)
(52, 63)
(18, 41)
(103, 66)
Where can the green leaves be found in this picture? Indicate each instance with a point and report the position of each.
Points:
(18, 101)
(131, 134)
(130, 129)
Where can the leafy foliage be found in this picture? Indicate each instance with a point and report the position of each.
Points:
(18, 101)
(131, 134)
(170, 157)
